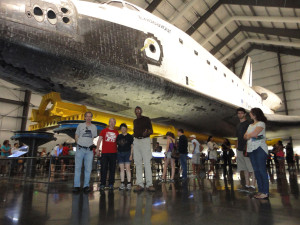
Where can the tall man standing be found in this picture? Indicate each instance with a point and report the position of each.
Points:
(85, 133)
(108, 137)
(183, 150)
(142, 150)
(244, 163)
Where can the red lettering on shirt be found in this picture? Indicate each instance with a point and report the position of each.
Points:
(109, 142)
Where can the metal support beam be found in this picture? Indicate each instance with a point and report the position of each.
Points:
(259, 41)
(282, 50)
(10, 101)
(269, 48)
(153, 5)
(274, 19)
(225, 41)
(282, 84)
(266, 3)
(182, 11)
(238, 58)
(292, 33)
(203, 18)
(27, 99)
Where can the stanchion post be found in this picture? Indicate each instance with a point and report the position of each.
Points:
(49, 172)
(9, 169)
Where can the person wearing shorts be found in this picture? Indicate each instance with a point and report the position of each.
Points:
(212, 154)
(244, 163)
(168, 157)
(196, 155)
(125, 150)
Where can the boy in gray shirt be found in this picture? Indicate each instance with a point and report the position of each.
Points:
(84, 136)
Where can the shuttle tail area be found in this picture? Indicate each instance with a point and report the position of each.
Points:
(246, 73)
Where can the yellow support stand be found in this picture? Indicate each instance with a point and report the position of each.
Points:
(60, 111)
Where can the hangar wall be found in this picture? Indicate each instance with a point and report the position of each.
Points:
(11, 114)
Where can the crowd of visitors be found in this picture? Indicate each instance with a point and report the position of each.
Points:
(252, 156)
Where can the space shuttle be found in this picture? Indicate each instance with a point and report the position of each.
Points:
(115, 56)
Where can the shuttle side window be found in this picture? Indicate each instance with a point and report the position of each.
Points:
(196, 53)
(116, 4)
(131, 7)
(181, 41)
(208, 62)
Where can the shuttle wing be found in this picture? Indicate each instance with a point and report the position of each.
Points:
(280, 126)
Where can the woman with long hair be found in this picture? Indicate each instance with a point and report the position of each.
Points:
(258, 151)
(168, 157)
(212, 154)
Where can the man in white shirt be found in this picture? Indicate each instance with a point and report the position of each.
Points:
(196, 155)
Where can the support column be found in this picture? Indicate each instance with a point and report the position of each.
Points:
(27, 99)
(282, 84)
(283, 89)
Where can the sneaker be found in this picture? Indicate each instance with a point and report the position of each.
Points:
(162, 181)
(138, 189)
(128, 186)
(102, 187)
(171, 181)
(151, 189)
(122, 187)
(110, 187)
(76, 189)
(243, 189)
(251, 189)
(86, 189)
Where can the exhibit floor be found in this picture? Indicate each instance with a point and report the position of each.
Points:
(196, 201)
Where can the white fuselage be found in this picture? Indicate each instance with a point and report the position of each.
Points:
(185, 61)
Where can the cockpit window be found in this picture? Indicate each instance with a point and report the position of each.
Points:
(131, 7)
(116, 4)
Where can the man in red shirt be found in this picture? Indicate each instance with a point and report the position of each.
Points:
(108, 137)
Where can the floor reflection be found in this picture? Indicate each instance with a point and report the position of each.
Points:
(80, 209)
(200, 200)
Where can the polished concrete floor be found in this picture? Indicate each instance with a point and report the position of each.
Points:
(196, 201)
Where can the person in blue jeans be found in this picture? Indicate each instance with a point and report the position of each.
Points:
(125, 153)
(257, 150)
(84, 136)
(183, 150)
